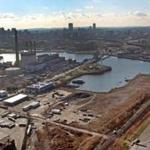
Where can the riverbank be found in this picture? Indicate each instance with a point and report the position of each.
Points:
(145, 58)
(5, 51)
(90, 68)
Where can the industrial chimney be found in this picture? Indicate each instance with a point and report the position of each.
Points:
(16, 47)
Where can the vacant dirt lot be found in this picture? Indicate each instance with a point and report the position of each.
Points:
(51, 137)
(116, 105)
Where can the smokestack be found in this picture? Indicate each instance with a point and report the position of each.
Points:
(16, 47)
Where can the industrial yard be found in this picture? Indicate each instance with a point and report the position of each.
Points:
(68, 111)
(41, 96)
(42, 105)
(45, 110)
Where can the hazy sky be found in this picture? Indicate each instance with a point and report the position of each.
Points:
(57, 13)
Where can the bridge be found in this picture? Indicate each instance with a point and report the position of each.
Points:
(101, 56)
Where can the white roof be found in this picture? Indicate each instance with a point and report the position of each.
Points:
(15, 99)
(3, 91)
(56, 110)
(34, 103)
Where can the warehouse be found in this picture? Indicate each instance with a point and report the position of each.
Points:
(30, 106)
(40, 87)
(15, 99)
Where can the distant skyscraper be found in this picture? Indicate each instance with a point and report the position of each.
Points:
(94, 25)
(70, 26)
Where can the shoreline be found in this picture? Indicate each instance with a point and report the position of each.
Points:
(134, 58)
(99, 72)
(78, 72)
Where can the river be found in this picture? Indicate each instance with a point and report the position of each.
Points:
(122, 69)
(78, 57)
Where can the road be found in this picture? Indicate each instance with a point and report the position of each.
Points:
(43, 119)
(144, 140)
(79, 130)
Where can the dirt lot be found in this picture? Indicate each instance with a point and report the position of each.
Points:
(50, 137)
(108, 109)
(98, 112)
(118, 101)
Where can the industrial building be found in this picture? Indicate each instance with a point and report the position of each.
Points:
(28, 58)
(13, 71)
(35, 67)
(40, 87)
(30, 106)
(45, 58)
(15, 99)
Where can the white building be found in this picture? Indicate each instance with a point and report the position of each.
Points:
(15, 99)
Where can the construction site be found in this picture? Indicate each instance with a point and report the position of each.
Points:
(40, 109)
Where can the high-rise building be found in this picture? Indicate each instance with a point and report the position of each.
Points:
(70, 26)
(2, 30)
(94, 25)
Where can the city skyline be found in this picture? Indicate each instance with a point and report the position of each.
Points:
(51, 13)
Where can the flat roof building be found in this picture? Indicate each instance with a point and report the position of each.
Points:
(32, 105)
(40, 87)
(15, 99)
(27, 58)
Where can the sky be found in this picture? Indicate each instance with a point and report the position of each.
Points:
(24, 14)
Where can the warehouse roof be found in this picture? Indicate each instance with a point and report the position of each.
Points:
(15, 99)
(40, 85)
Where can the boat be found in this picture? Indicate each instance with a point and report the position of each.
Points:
(78, 82)
(127, 80)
